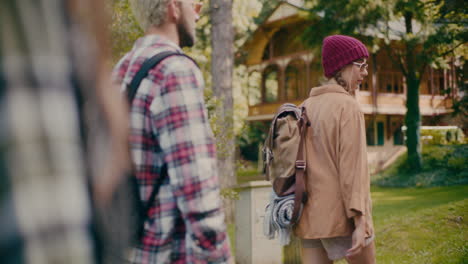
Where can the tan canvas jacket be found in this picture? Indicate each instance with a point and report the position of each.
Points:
(337, 177)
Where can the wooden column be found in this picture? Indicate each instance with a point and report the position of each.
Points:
(307, 84)
(282, 64)
(445, 81)
(262, 87)
(374, 83)
(453, 82)
(431, 76)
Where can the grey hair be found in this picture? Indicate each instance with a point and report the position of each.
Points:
(149, 12)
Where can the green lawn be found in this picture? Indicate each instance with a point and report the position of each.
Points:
(421, 225)
(418, 225)
(415, 225)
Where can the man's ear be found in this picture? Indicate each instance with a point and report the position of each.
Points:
(173, 10)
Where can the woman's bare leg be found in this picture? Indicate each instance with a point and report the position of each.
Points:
(367, 256)
(315, 256)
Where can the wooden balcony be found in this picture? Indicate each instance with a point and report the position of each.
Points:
(284, 79)
(386, 104)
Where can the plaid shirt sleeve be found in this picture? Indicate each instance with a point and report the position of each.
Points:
(180, 122)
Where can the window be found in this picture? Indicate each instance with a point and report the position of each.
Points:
(315, 74)
(270, 84)
(398, 138)
(365, 85)
(295, 80)
(390, 82)
(437, 80)
(254, 91)
(370, 138)
(380, 133)
(375, 132)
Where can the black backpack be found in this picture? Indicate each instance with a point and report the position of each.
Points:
(124, 220)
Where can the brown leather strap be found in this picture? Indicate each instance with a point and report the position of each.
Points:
(300, 190)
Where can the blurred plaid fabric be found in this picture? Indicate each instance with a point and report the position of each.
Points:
(169, 124)
(45, 209)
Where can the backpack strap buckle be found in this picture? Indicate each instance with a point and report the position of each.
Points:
(300, 164)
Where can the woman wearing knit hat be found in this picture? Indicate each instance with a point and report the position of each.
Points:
(336, 221)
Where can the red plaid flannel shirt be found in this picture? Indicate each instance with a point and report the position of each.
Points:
(169, 125)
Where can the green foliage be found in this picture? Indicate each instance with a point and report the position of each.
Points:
(250, 138)
(229, 193)
(443, 166)
(124, 28)
(267, 8)
(460, 106)
(439, 26)
(451, 136)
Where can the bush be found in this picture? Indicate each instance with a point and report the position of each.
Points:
(442, 136)
(443, 165)
(250, 138)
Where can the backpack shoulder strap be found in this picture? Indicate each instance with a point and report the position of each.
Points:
(132, 89)
(301, 195)
(145, 68)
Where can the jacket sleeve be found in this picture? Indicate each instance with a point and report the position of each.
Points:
(186, 139)
(353, 170)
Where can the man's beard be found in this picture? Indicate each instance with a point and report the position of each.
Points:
(186, 39)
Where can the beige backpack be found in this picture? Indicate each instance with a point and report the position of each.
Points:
(283, 154)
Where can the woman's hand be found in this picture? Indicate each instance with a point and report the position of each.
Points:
(359, 237)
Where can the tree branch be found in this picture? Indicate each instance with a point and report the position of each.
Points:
(452, 49)
(398, 61)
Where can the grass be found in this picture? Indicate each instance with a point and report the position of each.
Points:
(248, 171)
(421, 226)
(417, 225)
(231, 231)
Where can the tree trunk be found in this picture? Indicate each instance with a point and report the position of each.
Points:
(222, 60)
(413, 115)
(413, 123)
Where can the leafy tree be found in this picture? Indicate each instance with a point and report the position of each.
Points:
(222, 63)
(124, 28)
(230, 20)
(415, 34)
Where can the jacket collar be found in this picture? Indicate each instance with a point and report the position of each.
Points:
(327, 88)
(158, 40)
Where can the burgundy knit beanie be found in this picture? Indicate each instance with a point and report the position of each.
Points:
(339, 51)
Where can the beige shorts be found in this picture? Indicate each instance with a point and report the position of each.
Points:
(335, 247)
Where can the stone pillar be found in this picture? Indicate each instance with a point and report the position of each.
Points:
(252, 247)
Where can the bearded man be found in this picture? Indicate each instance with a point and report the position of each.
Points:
(171, 141)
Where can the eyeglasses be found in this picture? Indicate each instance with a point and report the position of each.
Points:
(196, 5)
(362, 66)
